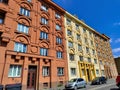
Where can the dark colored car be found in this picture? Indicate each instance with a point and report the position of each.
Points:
(99, 80)
(118, 81)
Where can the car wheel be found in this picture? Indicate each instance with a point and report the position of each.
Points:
(84, 86)
(75, 88)
(119, 86)
(100, 83)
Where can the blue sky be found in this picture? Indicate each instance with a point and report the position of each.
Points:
(102, 15)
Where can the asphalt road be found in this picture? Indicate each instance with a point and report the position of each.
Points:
(111, 85)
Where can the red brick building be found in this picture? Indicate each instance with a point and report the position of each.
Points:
(32, 44)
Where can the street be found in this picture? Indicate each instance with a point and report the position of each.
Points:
(109, 86)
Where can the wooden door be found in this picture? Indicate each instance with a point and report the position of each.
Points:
(31, 82)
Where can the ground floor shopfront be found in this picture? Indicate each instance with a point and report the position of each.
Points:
(33, 71)
(86, 70)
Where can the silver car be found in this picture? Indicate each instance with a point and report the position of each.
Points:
(75, 84)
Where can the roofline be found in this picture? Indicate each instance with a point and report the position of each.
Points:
(81, 22)
(56, 5)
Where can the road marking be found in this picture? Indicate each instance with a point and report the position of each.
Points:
(101, 87)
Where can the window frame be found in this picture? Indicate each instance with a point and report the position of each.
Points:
(12, 71)
(43, 51)
(45, 71)
(60, 73)
(17, 46)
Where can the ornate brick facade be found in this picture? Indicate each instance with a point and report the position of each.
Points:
(31, 34)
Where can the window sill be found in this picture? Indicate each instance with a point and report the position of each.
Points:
(25, 16)
(16, 31)
(46, 76)
(14, 76)
(60, 75)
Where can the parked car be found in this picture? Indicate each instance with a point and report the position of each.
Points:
(118, 81)
(99, 80)
(75, 84)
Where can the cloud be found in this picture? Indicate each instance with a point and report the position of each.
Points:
(116, 56)
(117, 40)
(116, 24)
(116, 50)
(111, 40)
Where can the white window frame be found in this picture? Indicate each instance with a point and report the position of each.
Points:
(20, 47)
(23, 28)
(73, 71)
(46, 71)
(15, 71)
(60, 71)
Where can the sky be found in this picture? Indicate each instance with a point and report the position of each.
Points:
(101, 15)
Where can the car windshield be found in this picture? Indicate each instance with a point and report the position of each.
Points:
(73, 80)
(96, 78)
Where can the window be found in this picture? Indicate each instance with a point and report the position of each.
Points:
(83, 72)
(59, 54)
(102, 72)
(44, 51)
(78, 37)
(57, 16)
(71, 57)
(14, 71)
(24, 11)
(45, 84)
(79, 47)
(91, 42)
(69, 32)
(44, 21)
(58, 40)
(81, 58)
(4, 1)
(45, 71)
(96, 44)
(43, 35)
(95, 61)
(84, 30)
(44, 8)
(73, 71)
(89, 60)
(58, 27)
(60, 71)
(80, 79)
(29, 0)
(87, 50)
(19, 47)
(2, 16)
(90, 33)
(101, 62)
(77, 26)
(23, 28)
(86, 41)
(70, 44)
(68, 22)
(97, 71)
(93, 51)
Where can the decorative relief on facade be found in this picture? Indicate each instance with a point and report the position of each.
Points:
(44, 44)
(26, 5)
(34, 49)
(44, 28)
(24, 20)
(22, 38)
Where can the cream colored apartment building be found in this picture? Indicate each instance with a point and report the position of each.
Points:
(82, 52)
